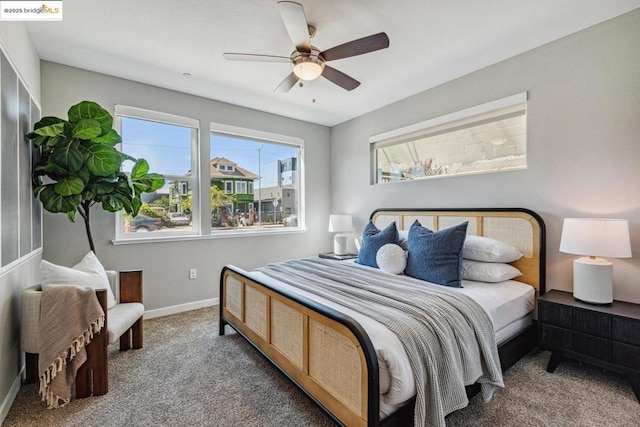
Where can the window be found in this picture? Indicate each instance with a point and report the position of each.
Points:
(170, 144)
(254, 181)
(485, 138)
(241, 187)
(268, 192)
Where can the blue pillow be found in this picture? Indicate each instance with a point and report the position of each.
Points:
(373, 239)
(436, 257)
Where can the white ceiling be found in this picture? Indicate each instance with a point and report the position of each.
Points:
(431, 42)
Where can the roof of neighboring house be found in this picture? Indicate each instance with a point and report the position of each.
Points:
(237, 173)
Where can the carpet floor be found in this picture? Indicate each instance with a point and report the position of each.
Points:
(188, 376)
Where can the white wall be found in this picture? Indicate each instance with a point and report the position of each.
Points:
(20, 51)
(166, 265)
(583, 143)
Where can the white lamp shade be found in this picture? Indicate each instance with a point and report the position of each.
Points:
(340, 223)
(596, 237)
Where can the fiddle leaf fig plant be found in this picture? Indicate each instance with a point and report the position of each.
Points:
(80, 166)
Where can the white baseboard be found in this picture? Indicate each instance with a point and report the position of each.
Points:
(11, 396)
(175, 309)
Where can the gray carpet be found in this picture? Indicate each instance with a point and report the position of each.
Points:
(188, 376)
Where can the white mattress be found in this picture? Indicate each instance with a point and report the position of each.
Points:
(509, 305)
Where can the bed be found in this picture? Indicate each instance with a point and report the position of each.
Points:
(327, 351)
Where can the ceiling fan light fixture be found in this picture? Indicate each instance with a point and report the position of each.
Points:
(307, 66)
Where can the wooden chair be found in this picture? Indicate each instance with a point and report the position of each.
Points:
(123, 322)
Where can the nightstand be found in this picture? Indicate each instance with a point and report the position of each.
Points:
(331, 255)
(607, 336)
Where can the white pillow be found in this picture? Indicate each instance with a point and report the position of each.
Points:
(403, 239)
(87, 273)
(491, 272)
(391, 258)
(484, 249)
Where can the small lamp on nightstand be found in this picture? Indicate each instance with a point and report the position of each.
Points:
(340, 224)
(593, 277)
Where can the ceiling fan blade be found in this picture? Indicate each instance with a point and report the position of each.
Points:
(339, 78)
(255, 57)
(286, 85)
(357, 47)
(296, 24)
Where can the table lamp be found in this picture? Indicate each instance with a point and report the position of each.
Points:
(340, 224)
(594, 237)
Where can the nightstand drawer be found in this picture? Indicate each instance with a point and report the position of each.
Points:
(592, 323)
(626, 355)
(556, 314)
(555, 337)
(592, 346)
(626, 330)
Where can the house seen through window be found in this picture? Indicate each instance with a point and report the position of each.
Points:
(255, 183)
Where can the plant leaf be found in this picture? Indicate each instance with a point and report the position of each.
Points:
(140, 169)
(91, 110)
(84, 175)
(37, 189)
(38, 140)
(87, 129)
(136, 203)
(69, 185)
(157, 182)
(72, 216)
(54, 202)
(102, 160)
(67, 156)
(55, 140)
(113, 202)
(51, 130)
(104, 187)
(47, 121)
(111, 138)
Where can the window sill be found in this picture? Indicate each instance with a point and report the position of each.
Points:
(213, 236)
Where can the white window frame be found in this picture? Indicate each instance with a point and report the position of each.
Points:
(271, 138)
(171, 119)
(442, 124)
(228, 184)
(239, 185)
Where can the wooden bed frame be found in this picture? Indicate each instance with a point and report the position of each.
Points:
(328, 355)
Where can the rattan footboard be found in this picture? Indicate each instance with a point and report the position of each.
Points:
(327, 354)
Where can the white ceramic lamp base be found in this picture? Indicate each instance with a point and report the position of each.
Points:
(593, 280)
(340, 244)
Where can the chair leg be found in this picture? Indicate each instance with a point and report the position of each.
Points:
(125, 340)
(137, 335)
(83, 381)
(31, 362)
(97, 362)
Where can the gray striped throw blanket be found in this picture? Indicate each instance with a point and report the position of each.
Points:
(449, 339)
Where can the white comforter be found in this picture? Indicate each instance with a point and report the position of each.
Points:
(505, 302)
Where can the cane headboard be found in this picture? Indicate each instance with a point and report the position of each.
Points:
(517, 227)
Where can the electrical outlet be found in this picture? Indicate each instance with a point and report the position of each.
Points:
(193, 274)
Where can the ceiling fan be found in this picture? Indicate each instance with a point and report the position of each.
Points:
(307, 61)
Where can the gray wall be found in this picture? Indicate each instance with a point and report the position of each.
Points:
(20, 51)
(166, 265)
(583, 143)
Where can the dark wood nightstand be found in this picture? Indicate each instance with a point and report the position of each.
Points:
(331, 255)
(607, 336)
